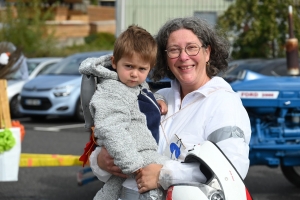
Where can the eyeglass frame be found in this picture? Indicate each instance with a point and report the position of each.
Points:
(185, 50)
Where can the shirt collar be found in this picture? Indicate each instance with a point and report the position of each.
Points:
(214, 84)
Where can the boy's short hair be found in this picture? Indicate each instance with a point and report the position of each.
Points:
(136, 40)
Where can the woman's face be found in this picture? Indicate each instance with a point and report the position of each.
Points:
(190, 71)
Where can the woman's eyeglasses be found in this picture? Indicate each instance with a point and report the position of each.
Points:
(191, 50)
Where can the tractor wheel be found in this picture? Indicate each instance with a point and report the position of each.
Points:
(292, 174)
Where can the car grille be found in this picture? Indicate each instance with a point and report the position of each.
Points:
(38, 90)
(45, 103)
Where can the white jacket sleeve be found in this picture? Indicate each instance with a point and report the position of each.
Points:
(174, 172)
(237, 151)
(100, 173)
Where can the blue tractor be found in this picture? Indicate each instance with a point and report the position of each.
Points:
(273, 105)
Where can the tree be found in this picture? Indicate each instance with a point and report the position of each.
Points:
(23, 24)
(259, 28)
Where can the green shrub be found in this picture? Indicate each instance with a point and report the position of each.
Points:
(93, 42)
(103, 40)
(27, 30)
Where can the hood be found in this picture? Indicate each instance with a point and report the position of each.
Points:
(100, 67)
(50, 81)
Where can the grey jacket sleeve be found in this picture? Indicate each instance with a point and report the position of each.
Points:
(111, 117)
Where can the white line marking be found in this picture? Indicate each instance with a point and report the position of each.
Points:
(58, 128)
(46, 129)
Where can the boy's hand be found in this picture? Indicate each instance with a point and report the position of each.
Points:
(163, 107)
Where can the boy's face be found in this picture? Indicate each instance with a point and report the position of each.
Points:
(132, 71)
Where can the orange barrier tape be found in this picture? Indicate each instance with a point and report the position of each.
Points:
(48, 160)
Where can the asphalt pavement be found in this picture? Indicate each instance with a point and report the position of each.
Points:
(65, 137)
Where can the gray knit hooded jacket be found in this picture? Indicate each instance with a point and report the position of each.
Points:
(119, 124)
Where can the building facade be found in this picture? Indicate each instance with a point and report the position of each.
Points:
(152, 14)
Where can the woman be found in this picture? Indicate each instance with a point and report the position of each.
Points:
(201, 106)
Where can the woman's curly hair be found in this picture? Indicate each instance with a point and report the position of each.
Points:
(207, 35)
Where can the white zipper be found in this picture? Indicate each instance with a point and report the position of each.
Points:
(143, 93)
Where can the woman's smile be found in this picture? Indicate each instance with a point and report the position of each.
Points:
(187, 67)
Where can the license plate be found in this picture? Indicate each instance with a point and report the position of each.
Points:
(33, 102)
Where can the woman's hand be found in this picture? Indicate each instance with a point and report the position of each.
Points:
(147, 177)
(106, 162)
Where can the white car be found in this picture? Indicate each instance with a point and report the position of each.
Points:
(15, 83)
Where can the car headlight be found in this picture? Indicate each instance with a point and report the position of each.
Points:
(63, 91)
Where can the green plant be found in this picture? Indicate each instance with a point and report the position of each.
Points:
(27, 29)
(259, 28)
(93, 42)
(29, 32)
(7, 140)
(94, 2)
(103, 40)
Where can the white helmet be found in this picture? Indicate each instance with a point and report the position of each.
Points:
(223, 181)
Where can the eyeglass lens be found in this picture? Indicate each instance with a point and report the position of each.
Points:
(191, 50)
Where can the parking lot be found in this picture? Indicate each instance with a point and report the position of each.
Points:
(63, 136)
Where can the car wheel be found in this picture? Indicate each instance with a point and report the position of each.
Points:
(14, 107)
(292, 174)
(78, 115)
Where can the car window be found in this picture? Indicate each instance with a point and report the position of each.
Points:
(31, 66)
(68, 66)
(275, 68)
(236, 67)
(20, 71)
(280, 70)
(45, 68)
(250, 66)
(269, 67)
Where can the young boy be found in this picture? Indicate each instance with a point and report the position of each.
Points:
(125, 112)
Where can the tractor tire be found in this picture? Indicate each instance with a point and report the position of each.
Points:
(292, 174)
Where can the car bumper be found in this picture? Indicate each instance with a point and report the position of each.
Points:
(45, 103)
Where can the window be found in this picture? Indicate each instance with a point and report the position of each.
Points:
(210, 17)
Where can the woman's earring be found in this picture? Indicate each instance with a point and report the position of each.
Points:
(207, 63)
